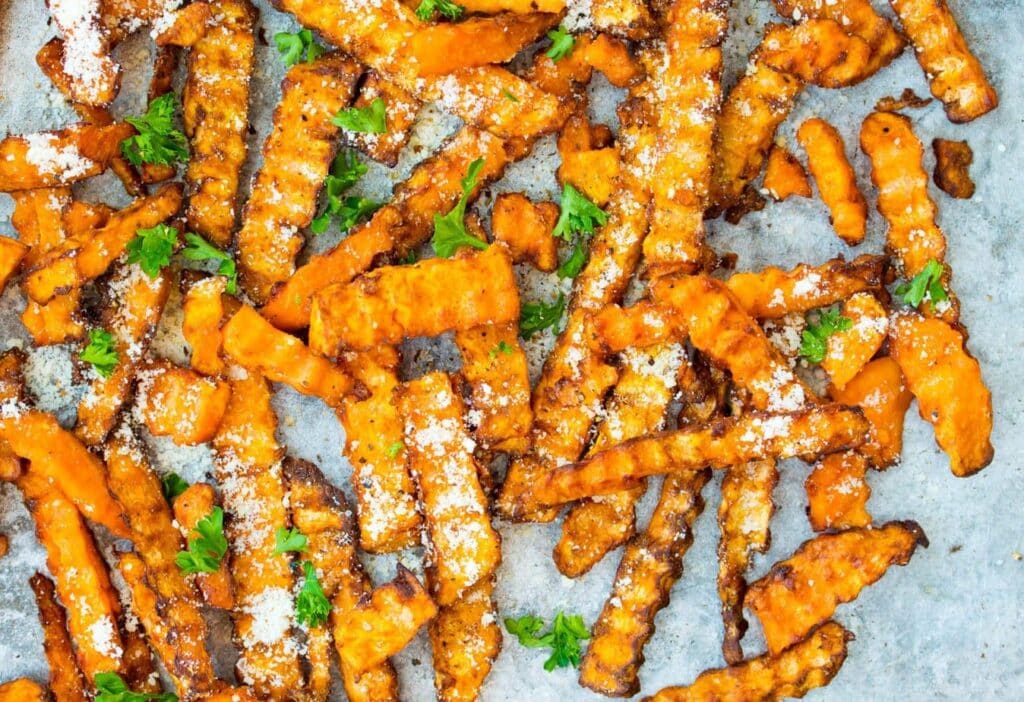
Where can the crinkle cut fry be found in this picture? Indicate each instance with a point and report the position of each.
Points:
(954, 73)
(847, 351)
(719, 444)
(526, 228)
(12, 253)
(320, 511)
(66, 681)
(784, 175)
(808, 664)
(946, 380)
(803, 591)
(248, 468)
(464, 548)
(195, 504)
(389, 518)
(215, 108)
(651, 565)
(817, 51)
(297, 155)
(203, 310)
(60, 157)
(180, 403)
(881, 392)
(94, 76)
(637, 406)
(837, 492)
(401, 109)
(185, 25)
(465, 639)
(835, 178)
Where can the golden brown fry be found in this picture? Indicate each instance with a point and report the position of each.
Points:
(804, 590)
(955, 75)
(593, 172)
(12, 252)
(837, 492)
(425, 299)
(194, 504)
(215, 108)
(464, 547)
(784, 176)
(651, 565)
(612, 57)
(718, 444)
(253, 343)
(630, 19)
(879, 390)
(23, 690)
(188, 25)
(401, 109)
(950, 392)
(83, 258)
(849, 350)
(465, 639)
(66, 681)
(638, 326)
(202, 316)
(525, 228)
(297, 155)
(809, 664)
(165, 65)
(94, 76)
(817, 51)
(836, 181)
(59, 157)
(907, 99)
(952, 167)
(180, 403)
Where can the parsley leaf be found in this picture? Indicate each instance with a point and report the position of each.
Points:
(111, 687)
(509, 96)
(368, 120)
(427, 8)
(450, 229)
(926, 285)
(152, 248)
(173, 485)
(311, 605)
(157, 141)
(561, 44)
(577, 215)
(536, 316)
(292, 45)
(199, 249)
(571, 267)
(502, 347)
(100, 352)
(395, 449)
(813, 342)
(346, 170)
(206, 551)
(290, 540)
(563, 639)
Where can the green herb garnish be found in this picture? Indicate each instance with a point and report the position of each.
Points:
(537, 316)
(100, 352)
(290, 540)
(158, 141)
(110, 687)
(368, 120)
(814, 340)
(563, 639)
(311, 606)
(152, 248)
(561, 44)
(292, 45)
(199, 249)
(208, 548)
(450, 230)
(428, 8)
(173, 485)
(925, 286)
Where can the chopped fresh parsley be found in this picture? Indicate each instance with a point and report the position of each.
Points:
(208, 548)
(926, 286)
(111, 687)
(290, 540)
(571, 267)
(509, 96)
(291, 45)
(409, 257)
(502, 347)
(561, 44)
(450, 229)
(346, 170)
(368, 120)
(199, 249)
(563, 639)
(537, 316)
(311, 605)
(157, 141)
(152, 248)
(577, 215)
(428, 8)
(100, 352)
(173, 485)
(813, 344)
(395, 449)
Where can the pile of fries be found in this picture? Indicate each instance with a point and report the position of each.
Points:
(707, 370)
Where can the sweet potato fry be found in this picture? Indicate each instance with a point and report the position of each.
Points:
(80, 575)
(817, 51)
(784, 176)
(60, 157)
(837, 492)
(180, 403)
(187, 25)
(651, 565)
(297, 155)
(952, 167)
(525, 228)
(834, 176)
(426, 299)
(23, 690)
(66, 681)
(81, 259)
(464, 547)
(631, 19)
(638, 326)
(401, 109)
(879, 390)
(809, 664)
(908, 99)
(253, 343)
(12, 252)
(954, 73)
(719, 444)
(612, 58)
(215, 107)
(593, 172)
(465, 639)
(804, 590)
(139, 668)
(94, 77)
(946, 380)
(194, 504)
(202, 316)
(847, 351)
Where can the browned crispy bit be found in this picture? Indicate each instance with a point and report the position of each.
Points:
(94, 76)
(66, 681)
(750, 200)
(955, 75)
(808, 664)
(525, 227)
(952, 167)
(837, 492)
(631, 19)
(946, 380)
(187, 25)
(817, 51)
(908, 99)
(880, 391)
(784, 175)
(804, 590)
(465, 639)
(23, 690)
(297, 155)
(651, 565)
(400, 108)
(180, 403)
(215, 107)
(718, 444)
(60, 157)
(194, 504)
(834, 176)
(848, 350)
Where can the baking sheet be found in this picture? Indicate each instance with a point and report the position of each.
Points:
(948, 626)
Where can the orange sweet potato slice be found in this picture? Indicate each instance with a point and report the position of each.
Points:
(631, 19)
(465, 639)
(525, 227)
(401, 109)
(834, 176)
(202, 317)
(881, 393)
(23, 690)
(837, 493)
(194, 504)
(952, 167)
(188, 25)
(847, 351)
(66, 681)
(784, 176)
(61, 157)
(817, 51)
(12, 252)
(180, 403)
